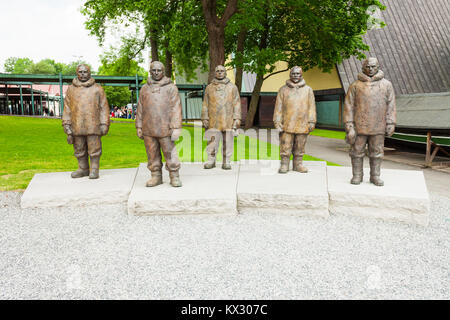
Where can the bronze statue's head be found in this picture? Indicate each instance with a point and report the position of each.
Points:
(370, 67)
(83, 72)
(157, 70)
(296, 74)
(221, 73)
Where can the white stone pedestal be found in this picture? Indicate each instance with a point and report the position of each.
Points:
(58, 189)
(211, 191)
(261, 189)
(404, 196)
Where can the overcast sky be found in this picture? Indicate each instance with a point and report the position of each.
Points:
(40, 29)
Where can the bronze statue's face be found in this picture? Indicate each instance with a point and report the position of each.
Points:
(157, 71)
(371, 67)
(296, 74)
(220, 72)
(83, 73)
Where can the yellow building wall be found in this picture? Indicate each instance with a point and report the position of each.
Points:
(315, 78)
(231, 75)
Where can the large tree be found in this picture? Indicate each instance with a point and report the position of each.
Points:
(173, 29)
(256, 33)
(307, 33)
(216, 22)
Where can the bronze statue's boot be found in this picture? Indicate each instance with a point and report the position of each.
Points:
(95, 166)
(83, 168)
(155, 180)
(284, 165)
(375, 167)
(175, 178)
(357, 168)
(298, 164)
(211, 163)
(226, 164)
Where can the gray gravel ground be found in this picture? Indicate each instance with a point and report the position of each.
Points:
(102, 253)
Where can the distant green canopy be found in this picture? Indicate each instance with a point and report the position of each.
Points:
(15, 65)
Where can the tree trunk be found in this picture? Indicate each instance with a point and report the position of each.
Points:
(154, 45)
(168, 62)
(254, 101)
(239, 52)
(215, 27)
(259, 79)
(216, 39)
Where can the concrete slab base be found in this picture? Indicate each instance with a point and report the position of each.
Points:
(404, 196)
(58, 189)
(261, 189)
(251, 187)
(211, 191)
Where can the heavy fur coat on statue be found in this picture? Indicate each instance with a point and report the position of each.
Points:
(221, 104)
(295, 107)
(85, 108)
(370, 104)
(159, 108)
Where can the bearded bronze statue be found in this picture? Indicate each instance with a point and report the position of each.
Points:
(221, 117)
(85, 119)
(294, 117)
(159, 124)
(369, 116)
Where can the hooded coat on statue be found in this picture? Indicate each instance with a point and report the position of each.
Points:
(370, 104)
(295, 107)
(85, 108)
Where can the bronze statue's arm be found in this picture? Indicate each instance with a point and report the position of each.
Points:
(349, 105)
(278, 111)
(67, 117)
(205, 115)
(312, 116)
(104, 112)
(236, 108)
(138, 119)
(391, 114)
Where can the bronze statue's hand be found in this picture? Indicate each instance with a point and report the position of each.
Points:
(67, 130)
(349, 126)
(390, 128)
(279, 127)
(236, 124)
(176, 133)
(350, 138)
(139, 133)
(103, 129)
(205, 124)
(311, 126)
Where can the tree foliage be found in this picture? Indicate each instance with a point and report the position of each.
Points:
(255, 33)
(307, 33)
(118, 63)
(171, 28)
(16, 65)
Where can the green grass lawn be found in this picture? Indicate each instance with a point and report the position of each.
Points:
(329, 134)
(35, 145)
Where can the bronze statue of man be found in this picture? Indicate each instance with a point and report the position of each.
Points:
(221, 114)
(369, 115)
(294, 117)
(158, 123)
(85, 119)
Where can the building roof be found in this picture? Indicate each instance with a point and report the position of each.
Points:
(413, 49)
(425, 112)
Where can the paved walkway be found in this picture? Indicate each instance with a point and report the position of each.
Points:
(336, 150)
